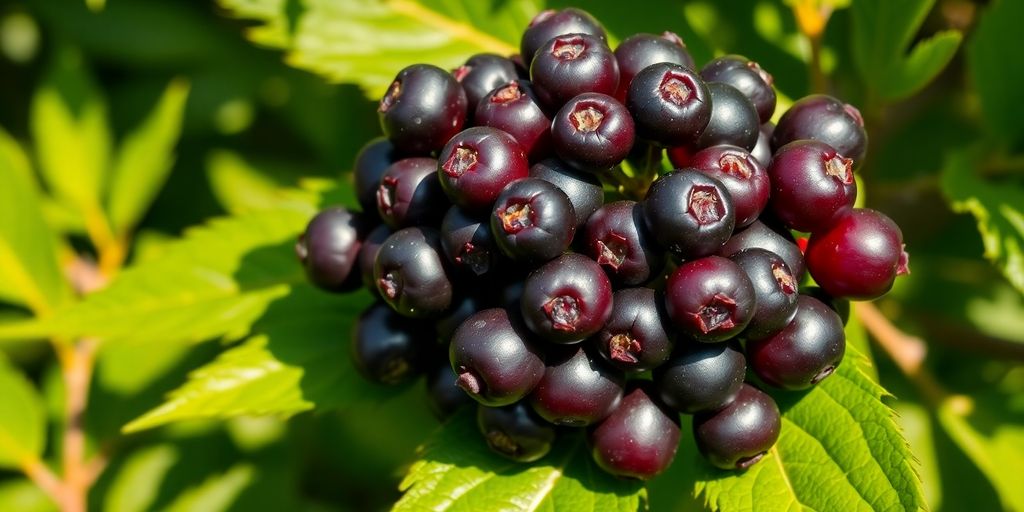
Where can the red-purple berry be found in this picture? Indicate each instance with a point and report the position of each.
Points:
(859, 257)
(739, 435)
(639, 439)
(592, 132)
(812, 185)
(567, 299)
(423, 108)
(710, 299)
(477, 163)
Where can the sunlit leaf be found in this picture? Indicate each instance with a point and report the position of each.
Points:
(22, 419)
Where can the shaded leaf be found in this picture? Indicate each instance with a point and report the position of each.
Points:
(368, 42)
(998, 74)
(24, 496)
(138, 480)
(22, 419)
(457, 471)
(217, 493)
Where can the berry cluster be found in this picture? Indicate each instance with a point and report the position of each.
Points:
(531, 254)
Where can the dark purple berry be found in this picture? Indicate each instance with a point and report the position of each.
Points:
(410, 194)
(410, 273)
(639, 439)
(743, 176)
(477, 163)
(748, 78)
(592, 132)
(463, 307)
(812, 185)
(423, 108)
(690, 213)
(826, 119)
(670, 104)
(710, 299)
(637, 336)
(388, 348)
(583, 188)
(567, 300)
(515, 431)
(496, 361)
(371, 162)
(762, 236)
(533, 221)
(481, 74)
(515, 109)
(733, 121)
(805, 352)
(763, 149)
(701, 377)
(859, 257)
(368, 256)
(468, 244)
(551, 23)
(443, 396)
(329, 248)
(775, 288)
(578, 389)
(739, 435)
(639, 51)
(616, 237)
(840, 306)
(570, 65)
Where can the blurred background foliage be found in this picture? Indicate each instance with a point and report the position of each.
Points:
(946, 161)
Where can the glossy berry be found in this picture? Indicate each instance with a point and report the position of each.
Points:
(710, 299)
(443, 396)
(670, 104)
(826, 119)
(423, 108)
(368, 255)
(477, 163)
(467, 243)
(639, 51)
(388, 348)
(481, 74)
(701, 377)
(775, 288)
(639, 439)
(578, 389)
(495, 358)
(805, 352)
(739, 435)
(551, 23)
(373, 159)
(533, 221)
(733, 120)
(617, 238)
(638, 335)
(515, 109)
(463, 307)
(748, 78)
(812, 185)
(859, 257)
(761, 236)
(690, 213)
(410, 273)
(763, 149)
(592, 132)
(840, 306)
(583, 189)
(570, 65)
(410, 194)
(329, 249)
(743, 176)
(567, 299)
(515, 431)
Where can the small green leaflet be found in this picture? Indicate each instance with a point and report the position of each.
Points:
(368, 41)
(997, 208)
(458, 472)
(22, 419)
(998, 75)
(840, 449)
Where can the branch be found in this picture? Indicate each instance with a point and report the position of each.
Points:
(44, 478)
(76, 366)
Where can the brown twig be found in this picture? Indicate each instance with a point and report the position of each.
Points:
(76, 367)
(45, 479)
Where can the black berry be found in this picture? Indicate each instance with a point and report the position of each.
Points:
(578, 389)
(826, 119)
(422, 109)
(496, 361)
(639, 439)
(775, 288)
(583, 188)
(739, 435)
(515, 431)
(639, 51)
(329, 249)
(710, 299)
(481, 74)
(733, 120)
(551, 23)
(533, 221)
(805, 352)
(410, 194)
(388, 348)
(567, 300)
(477, 163)
(670, 104)
(617, 238)
(743, 176)
(637, 336)
(690, 213)
(410, 273)
(701, 377)
(748, 78)
(592, 132)
(468, 244)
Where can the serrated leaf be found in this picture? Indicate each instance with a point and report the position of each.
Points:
(29, 271)
(241, 188)
(214, 283)
(300, 360)
(368, 41)
(883, 32)
(456, 471)
(22, 419)
(997, 209)
(998, 75)
(138, 480)
(145, 158)
(840, 449)
(217, 493)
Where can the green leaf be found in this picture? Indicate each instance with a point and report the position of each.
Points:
(241, 188)
(883, 32)
(457, 471)
(22, 419)
(840, 448)
(998, 74)
(217, 493)
(72, 137)
(29, 271)
(145, 158)
(997, 209)
(300, 360)
(24, 496)
(138, 480)
(214, 283)
(333, 37)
